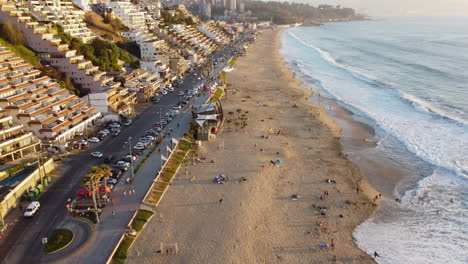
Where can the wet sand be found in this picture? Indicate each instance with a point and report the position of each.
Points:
(257, 221)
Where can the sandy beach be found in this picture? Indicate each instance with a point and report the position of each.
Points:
(252, 218)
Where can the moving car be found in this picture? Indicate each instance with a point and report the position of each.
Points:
(97, 154)
(128, 123)
(109, 159)
(32, 209)
(181, 93)
(93, 140)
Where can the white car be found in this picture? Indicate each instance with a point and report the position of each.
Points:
(122, 163)
(171, 89)
(97, 154)
(163, 92)
(181, 93)
(114, 125)
(105, 131)
(139, 146)
(32, 209)
(128, 123)
(130, 157)
(93, 140)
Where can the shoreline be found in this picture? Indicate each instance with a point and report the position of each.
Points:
(255, 220)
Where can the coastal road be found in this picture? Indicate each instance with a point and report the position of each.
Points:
(23, 244)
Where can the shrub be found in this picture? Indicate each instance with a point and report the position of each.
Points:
(58, 240)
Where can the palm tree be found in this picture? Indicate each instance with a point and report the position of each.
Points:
(91, 182)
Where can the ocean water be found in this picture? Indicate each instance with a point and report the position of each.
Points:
(408, 78)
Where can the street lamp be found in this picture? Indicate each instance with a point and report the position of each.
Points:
(131, 156)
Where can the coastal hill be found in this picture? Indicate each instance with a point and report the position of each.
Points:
(289, 13)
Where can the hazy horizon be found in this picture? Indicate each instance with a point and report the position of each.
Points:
(399, 7)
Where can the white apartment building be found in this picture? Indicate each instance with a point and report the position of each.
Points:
(37, 104)
(41, 39)
(63, 13)
(128, 14)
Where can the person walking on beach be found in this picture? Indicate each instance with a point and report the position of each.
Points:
(375, 254)
(220, 200)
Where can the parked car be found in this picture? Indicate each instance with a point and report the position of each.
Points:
(139, 146)
(97, 154)
(151, 132)
(123, 165)
(128, 123)
(32, 209)
(116, 173)
(109, 180)
(170, 89)
(130, 158)
(163, 91)
(181, 93)
(93, 140)
(114, 125)
(107, 131)
(150, 137)
(116, 132)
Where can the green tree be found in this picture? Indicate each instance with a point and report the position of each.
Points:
(12, 34)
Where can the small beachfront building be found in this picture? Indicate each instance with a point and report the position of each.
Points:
(208, 118)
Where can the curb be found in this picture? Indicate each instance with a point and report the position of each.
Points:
(57, 250)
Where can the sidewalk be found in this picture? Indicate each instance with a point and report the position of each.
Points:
(111, 227)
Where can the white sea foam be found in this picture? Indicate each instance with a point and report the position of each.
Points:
(411, 231)
(435, 140)
(429, 228)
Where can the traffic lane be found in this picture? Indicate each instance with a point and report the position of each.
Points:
(53, 212)
(29, 232)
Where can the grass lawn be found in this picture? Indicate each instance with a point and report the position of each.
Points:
(59, 239)
(141, 218)
(121, 253)
(233, 60)
(215, 97)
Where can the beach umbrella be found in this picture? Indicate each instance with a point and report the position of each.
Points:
(279, 161)
(104, 189)
(81, 192)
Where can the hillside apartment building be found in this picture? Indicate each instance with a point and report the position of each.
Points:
(34, 107)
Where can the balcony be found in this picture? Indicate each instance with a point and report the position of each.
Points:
(62, 47)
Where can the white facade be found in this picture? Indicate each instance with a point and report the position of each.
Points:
(64, 14)
(128, 15)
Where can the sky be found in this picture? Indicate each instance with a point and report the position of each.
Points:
(400, 7)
